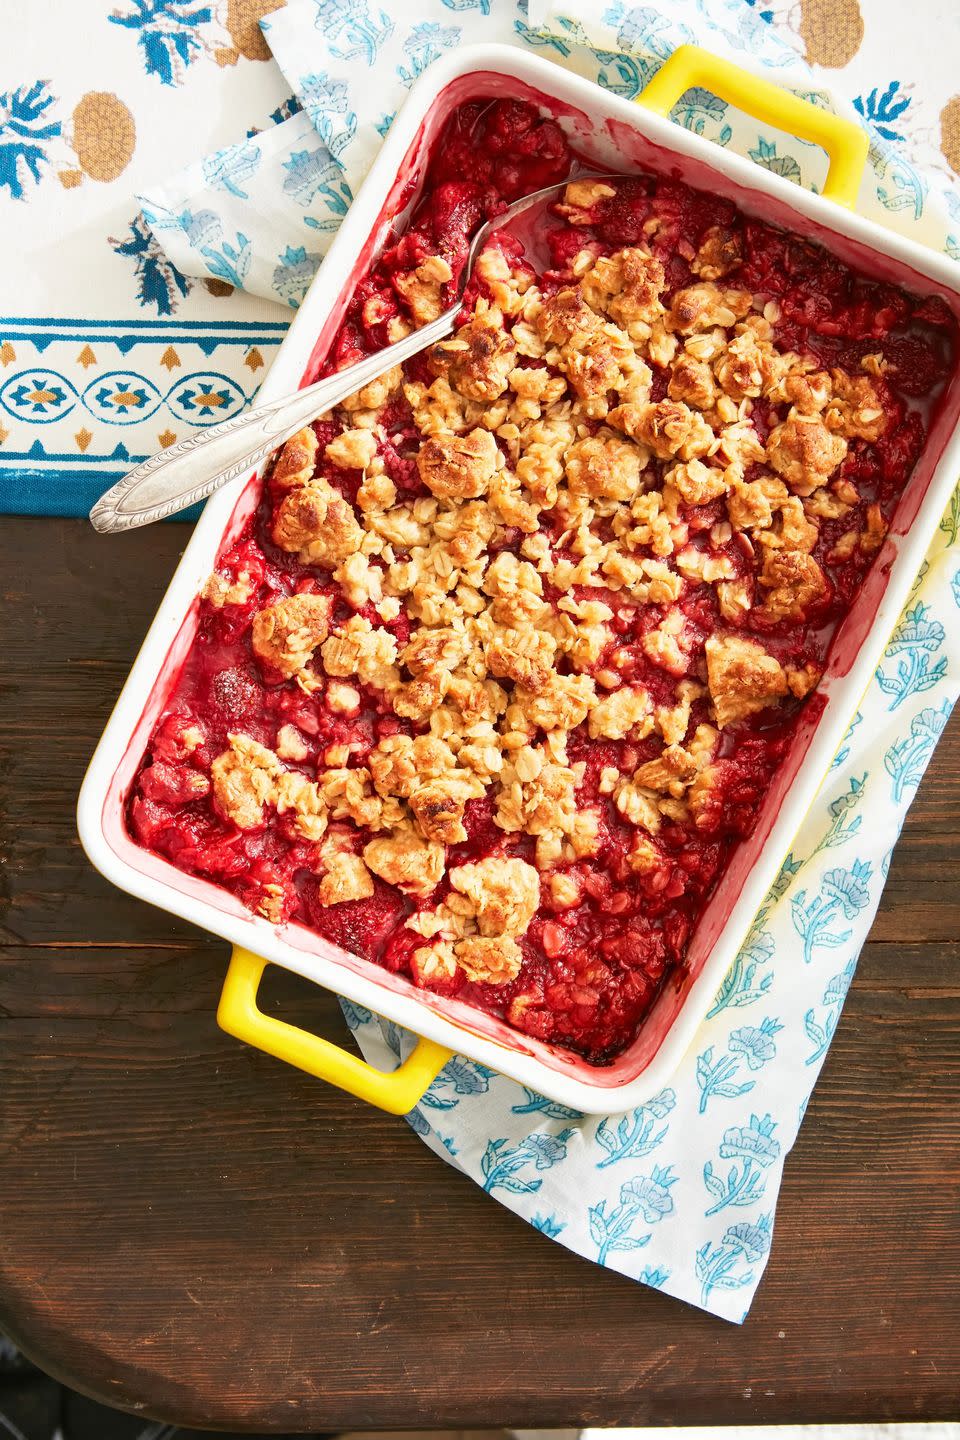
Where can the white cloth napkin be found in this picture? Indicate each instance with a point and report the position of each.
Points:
(261, 213)
(679, 1193)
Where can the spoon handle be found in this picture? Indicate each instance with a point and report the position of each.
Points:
(197, 466)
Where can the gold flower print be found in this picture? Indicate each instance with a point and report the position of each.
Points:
(103, 135)
(243, 23)
(950, 132)
(831, 30)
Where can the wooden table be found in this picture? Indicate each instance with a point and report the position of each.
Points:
(193, 1230)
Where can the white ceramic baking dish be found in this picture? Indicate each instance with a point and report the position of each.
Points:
(615, 133)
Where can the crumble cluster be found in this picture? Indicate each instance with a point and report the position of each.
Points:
(582, 453)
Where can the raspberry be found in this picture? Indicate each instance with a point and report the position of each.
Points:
(361, 927)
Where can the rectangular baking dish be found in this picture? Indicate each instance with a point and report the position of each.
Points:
(620, 135)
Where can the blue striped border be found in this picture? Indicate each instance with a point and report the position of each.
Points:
(33, 483)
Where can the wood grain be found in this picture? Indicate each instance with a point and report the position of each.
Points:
(193, 1230)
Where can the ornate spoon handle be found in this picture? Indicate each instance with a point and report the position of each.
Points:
(197, 466)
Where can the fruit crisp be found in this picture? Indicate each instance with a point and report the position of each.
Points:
(500, 672)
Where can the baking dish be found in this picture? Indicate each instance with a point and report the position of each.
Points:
(616, 134)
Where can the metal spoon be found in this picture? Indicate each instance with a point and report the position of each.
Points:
(194, 468)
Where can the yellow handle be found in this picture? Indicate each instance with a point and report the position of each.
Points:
(845, 143)
(396, 1091)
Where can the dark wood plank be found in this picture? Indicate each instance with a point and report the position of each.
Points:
(193, 1230)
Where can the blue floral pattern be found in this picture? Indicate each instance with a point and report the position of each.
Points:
(353, 29)
(502, 1163)
(754, 1149)
(744, 984)
(914, 643)
(646, 1198)
(637, 1133)
(844, 751)
(884, 110)
(534, 1103)
(170, 34)
(842, 892)
(844, 822)
(907, 758)
(425, 43)
(821, 1031)
(27, 124)
(765, 154)
(230, 167)
(718, 1075)
(731, 1264)
(159, 282)
(547, 1225)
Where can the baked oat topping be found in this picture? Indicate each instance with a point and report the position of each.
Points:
(521, 631)
(284, 636)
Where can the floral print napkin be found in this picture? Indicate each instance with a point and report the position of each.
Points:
(219, 217)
